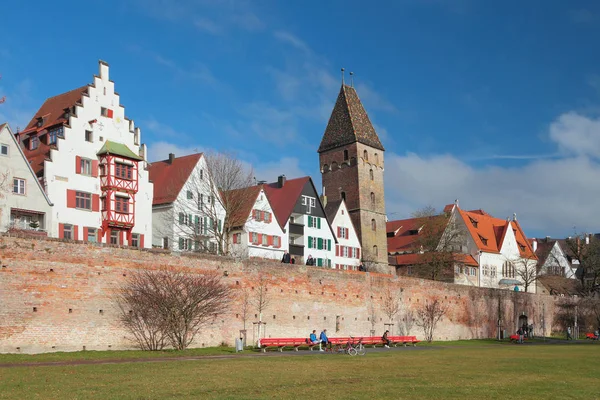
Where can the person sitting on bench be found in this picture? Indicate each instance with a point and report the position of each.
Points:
(324, 340)
(386, 341)
(312, 340)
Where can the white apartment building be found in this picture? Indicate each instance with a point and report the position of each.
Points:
(24, 205)
(187, 213)
(90, 161)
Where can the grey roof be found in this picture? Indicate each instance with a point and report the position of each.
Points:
(331, 210)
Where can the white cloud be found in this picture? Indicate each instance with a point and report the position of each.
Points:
(248, 21)
(207, 25)
(577, 134)
(288, 38)
(269, 171)
(160, 150)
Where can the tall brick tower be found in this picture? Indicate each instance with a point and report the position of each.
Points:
(351, 159)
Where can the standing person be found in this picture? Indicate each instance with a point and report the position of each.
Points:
(385, 339)
(324, 340)
(286, 258)
(361, 267)
(520, 333)
(569, 337)
(531, 331)
(313, 338)
(310, 260)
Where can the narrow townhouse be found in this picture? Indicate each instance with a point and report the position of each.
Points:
(347, 251)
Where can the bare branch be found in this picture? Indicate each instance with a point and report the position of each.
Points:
(428, 316)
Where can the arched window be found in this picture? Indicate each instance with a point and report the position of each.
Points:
(376, 158)
(371, 174)
(344, 196)
(345, 155)
(373, 225)
(334, 166)
(372, 198)
(325, 168)
(375, 251)
(365, 155)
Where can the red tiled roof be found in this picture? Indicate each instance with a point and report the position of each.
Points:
(284, 199)
(169, 178)
(52, 111)
(403, 240)
(416, 259)
(490, 232)
(241, 202)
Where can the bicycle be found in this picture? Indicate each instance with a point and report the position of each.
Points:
(350, 348)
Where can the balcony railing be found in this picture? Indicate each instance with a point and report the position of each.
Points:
(296, 229)
(296, 250)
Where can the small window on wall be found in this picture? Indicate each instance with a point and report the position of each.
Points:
(345, 155)
(372, 198)
(190, 195)
(85, 166)
(373, 225)
(375, 251)
(92, 235)
(89, 136)
(365, 155)
(371, 174)
(114, 237)
(34, 143)
(106, 112)
(67, 231)
(19, 186)
(376, 158)
(135, 240)
(3, 149)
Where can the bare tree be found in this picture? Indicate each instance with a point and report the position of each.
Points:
(261, 299)
(439, 238)
(390, 304)
(167, 305)
(525, 270)
(245, 304)
(428, 316)
(586, 249)
(216, 194)
(406, 322)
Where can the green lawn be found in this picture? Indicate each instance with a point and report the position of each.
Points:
(487, 371)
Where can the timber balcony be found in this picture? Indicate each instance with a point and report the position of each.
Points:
(296, 229)
(296, 250)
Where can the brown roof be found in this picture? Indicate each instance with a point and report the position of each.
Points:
(402, 234)
(240, 202)
(544, 247)
(52, 113)
(284, 199)
(349, 123)
(417, 258)
(169, 178)
(557, 285)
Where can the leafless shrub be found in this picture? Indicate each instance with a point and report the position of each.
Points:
(169, 306)
(428, 316)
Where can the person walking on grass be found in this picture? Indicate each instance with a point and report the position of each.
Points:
(386, 341)
(520, 333)
(569, 337)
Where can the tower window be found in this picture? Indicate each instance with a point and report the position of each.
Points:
(345, 155)
(372, 198)
(376, 158)
(344, 196)
(334, 166)
(325, 168)
(373, 225)
(371, 174)
(375, 251)
(365, 155)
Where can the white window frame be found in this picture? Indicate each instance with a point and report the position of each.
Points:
(68, 231)
(21, 185)
(135, 240)
(86, 166)
(93, 233)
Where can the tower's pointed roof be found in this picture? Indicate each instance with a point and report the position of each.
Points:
(349, 123)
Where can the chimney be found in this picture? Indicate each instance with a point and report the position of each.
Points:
(514, 216)
(103, 67)
(456, 203)
(171, 158)
(534, 244)
(280, 181)
(323, 198)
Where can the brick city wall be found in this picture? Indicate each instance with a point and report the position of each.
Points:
(57, 296)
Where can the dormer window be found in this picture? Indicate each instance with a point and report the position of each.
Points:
(473, 222)
(40, 122)
(34, 142)
(483, 240)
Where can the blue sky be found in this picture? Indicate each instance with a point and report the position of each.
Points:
(496, 104)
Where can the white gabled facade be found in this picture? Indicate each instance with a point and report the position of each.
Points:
(347, 251)
(97, 197)
(187, 215)
(260, 236)
(23, 203)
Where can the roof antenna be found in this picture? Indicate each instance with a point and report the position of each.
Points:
(352, 79)
(343, 76)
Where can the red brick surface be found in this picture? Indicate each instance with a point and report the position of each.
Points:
(55, 276)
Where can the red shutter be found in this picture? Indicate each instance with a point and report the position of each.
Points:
(339, 232)
(99, 233)
(61, 231)
(95, 202)
(259, 239)
(234, 239)
(347, 233)
(270, 240)
(141, 241)
(85, 233)
(253, 214)
(71, 202)
(357, 253)
(95, 169)
(337, 249)
(109, 113)
(75, 232)
(249, 237)
(77, 164)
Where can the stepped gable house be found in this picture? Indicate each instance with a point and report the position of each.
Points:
(90, 161)
(352, 165)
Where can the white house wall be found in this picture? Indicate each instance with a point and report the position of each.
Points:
(60, 173)
(162, 225)
(558, 258)
(342, 219)
(15, 165)
(324, 232)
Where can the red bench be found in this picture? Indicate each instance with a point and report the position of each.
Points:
(591, 336)
(280, 343)
(515, 338)
(377, 340)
